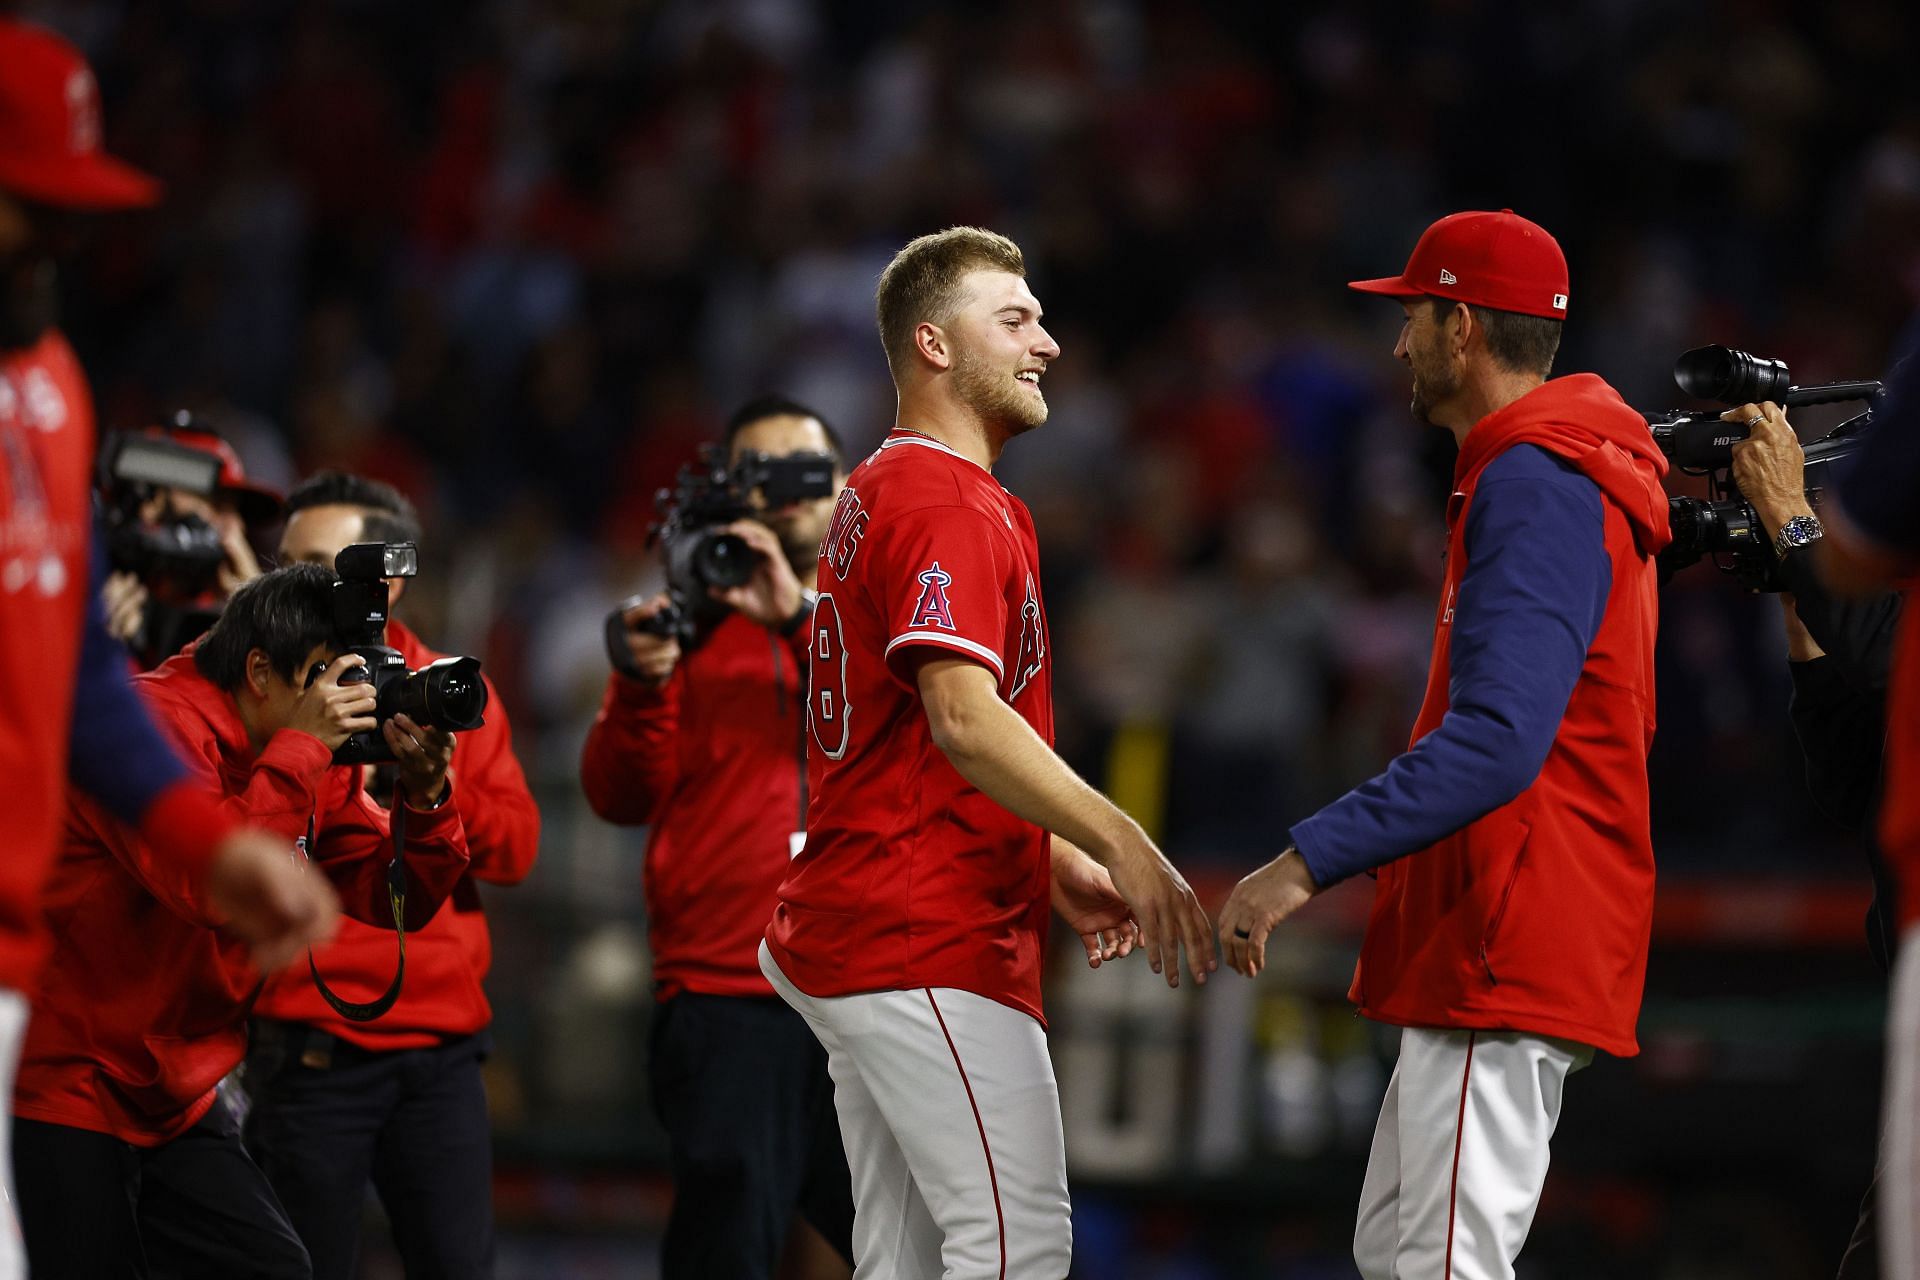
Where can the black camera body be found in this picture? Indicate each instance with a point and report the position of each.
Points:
(1725, 526)
(447, 694)
(698, 552)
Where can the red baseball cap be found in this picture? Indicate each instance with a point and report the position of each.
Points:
(257, 504)
(1496, 260)
(50, 128)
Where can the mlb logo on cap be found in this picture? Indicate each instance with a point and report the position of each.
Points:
(1495, 260)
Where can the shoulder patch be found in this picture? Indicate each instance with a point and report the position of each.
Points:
(933, 610)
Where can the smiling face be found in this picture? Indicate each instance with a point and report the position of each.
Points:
(1000, 351)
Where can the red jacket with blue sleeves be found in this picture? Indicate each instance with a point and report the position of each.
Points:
(1511, 840)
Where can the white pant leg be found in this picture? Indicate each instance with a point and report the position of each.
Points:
(1900, 1123)
(13, 1030)
(1376, 1230)
(1472, 1118)
(962, 1088)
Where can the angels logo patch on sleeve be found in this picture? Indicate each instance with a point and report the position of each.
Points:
(933, 610)
(1033, 641)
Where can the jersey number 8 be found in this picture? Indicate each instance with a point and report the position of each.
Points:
(827, 709)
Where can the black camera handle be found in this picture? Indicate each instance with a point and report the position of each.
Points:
(397, 900)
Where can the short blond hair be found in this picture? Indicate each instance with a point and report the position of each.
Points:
(922, 283)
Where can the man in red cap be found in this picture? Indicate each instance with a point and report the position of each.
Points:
(159, 608)
(1514, 865)
(66, 710)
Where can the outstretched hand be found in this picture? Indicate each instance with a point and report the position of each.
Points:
(1084, 895)
(1258, 904)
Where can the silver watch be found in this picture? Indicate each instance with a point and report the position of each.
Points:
(1798, 531)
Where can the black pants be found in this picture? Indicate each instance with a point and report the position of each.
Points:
(328, 1118)
(94, 1208)
(741, 1087)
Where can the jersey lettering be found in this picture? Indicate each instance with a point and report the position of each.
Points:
(828, 714)
(933, 609)
(1033, 641)
(848, 526)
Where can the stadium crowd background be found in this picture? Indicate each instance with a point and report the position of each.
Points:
(521, 258)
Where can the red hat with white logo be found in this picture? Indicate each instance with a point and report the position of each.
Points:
(1495, 260)
(50, 128)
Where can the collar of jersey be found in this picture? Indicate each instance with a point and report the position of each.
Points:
(906, 435)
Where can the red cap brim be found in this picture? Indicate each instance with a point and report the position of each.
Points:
(68, 182)
(1387, 286)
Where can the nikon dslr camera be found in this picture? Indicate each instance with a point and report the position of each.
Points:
(447, 694)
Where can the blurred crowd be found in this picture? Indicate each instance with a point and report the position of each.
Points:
(520, 259)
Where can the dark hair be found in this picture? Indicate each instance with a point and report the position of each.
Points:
(922, 283)
(1521, 343)
(775, 405)
(286, 613)
(387, 515)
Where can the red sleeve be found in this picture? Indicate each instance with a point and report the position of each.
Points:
(355, 843)
(631, 762)
(501, 820)
(940, 582)
(281, 792)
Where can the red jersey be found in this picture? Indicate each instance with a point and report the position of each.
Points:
(145, 1008)
(715, 759)
(441, 996)
(912, 877)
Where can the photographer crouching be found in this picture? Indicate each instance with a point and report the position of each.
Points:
(397, 1100)
(702, 734)
(1840, 653)
(129, 1162)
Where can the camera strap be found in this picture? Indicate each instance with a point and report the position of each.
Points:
(397, 900)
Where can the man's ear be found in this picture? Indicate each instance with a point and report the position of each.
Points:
(930, 340)
(259, 673)
(1461, 328)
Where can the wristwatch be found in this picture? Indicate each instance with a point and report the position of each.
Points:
(1797, 532)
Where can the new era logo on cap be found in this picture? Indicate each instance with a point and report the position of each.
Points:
(1447, 277)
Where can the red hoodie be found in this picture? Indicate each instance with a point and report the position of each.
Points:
(715, 760)
(441, 996)
(1536, 916)
(144, 1006)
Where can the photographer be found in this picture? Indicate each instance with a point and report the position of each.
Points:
(398, 1100)
(157, 606)
(143, 1008)
(1839, 651)
(708, 745)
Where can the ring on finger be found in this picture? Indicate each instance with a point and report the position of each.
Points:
(1238, 932)
(1756, 420)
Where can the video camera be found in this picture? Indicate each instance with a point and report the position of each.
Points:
(1725, 526)
(699, 553)
(176, 557)
(447, 694)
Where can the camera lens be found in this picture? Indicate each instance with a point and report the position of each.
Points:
(447, 694)
(1730, 376)
(723, 560)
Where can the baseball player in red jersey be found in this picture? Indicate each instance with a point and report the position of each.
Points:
(910, 930)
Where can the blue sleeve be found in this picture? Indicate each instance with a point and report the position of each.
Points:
(1528, 607)
(1880, 486)
(116, 754)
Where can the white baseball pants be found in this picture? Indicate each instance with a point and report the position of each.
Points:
(1898, 1204)
(1460, 1153)
(951, 1121)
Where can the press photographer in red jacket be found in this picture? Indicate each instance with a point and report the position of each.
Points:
(127, 1158)
(397, 1101)
(708, 745)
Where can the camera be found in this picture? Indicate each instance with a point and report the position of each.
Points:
(447, 694)
(1725, 526)
(176, 557)
(698, 552)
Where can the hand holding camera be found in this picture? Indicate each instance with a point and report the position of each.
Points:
(423, 755)
(639, 651)
(771, 593)
(335, 706)
(1769, 466)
